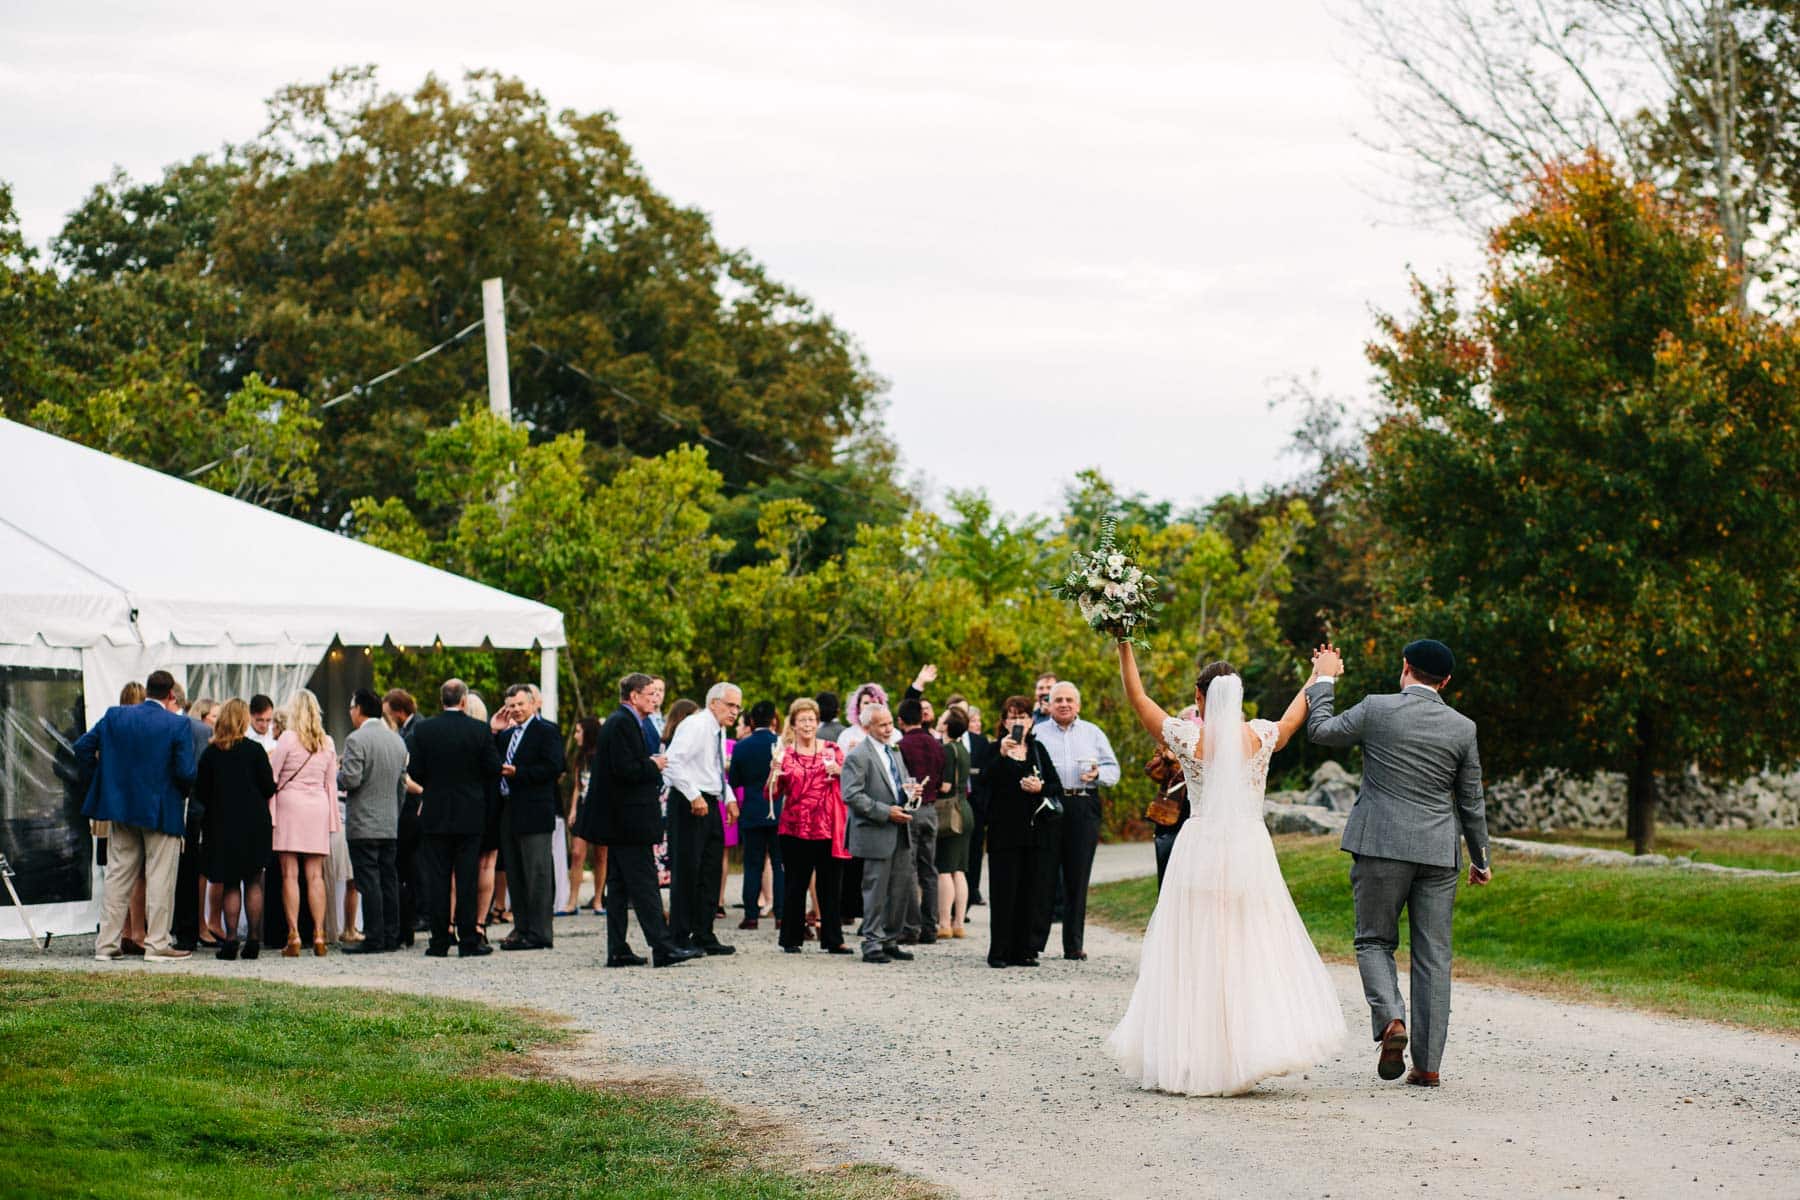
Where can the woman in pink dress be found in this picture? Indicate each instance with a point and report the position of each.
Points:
(304, 810)
(805, 770)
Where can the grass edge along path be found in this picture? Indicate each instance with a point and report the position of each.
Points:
(131, 1085)
(1684, 943)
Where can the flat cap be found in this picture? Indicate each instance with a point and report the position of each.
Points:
(1430, 657)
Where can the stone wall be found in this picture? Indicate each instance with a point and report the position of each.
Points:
(1767, 801)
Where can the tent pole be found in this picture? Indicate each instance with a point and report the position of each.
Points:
(547, 681)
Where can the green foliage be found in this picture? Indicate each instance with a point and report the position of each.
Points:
(262, 442)
(354, 231)
(133, 1085)
(1674, 941)
(1588, 485)
(637, 569)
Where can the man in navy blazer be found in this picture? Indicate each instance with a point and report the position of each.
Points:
(145, 755)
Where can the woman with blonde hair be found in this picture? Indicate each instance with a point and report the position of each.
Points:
(304, 812)
(234, 784)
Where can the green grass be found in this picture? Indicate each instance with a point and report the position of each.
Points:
(1674, 941)
(133, 1085)
(1762, 849)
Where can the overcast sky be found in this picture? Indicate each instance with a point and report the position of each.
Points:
(1068, 234)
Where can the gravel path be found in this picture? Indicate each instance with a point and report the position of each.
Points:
(1020, 1099)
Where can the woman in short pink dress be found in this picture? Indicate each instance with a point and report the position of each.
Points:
(304, 810)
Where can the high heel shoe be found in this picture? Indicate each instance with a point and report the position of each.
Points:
(292, 949)
(318, 947)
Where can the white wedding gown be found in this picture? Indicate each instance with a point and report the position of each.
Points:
(1230, 990)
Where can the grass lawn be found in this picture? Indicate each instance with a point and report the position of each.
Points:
(1675, 941)
(128, 1084)
(1763, 849)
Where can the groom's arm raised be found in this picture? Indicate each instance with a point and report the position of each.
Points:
(1323, 728)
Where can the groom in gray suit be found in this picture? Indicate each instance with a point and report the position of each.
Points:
(875, 783)
(1421, 788)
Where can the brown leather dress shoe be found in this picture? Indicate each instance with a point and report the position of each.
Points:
(1393, 1050)
(1420, 1078)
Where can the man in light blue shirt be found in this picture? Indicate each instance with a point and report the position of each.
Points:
(1085, 763)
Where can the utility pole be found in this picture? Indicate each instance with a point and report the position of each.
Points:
(493, 314)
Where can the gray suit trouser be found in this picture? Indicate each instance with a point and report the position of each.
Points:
(922, 901)
(888, 886)
(530, 881)
(1382, 888)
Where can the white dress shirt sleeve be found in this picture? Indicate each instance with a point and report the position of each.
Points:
(693, 768)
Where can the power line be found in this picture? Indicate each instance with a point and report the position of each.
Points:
(359, 390)
(693, 428)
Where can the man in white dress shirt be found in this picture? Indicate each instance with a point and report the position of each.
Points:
(1085, 763)
(696, 779)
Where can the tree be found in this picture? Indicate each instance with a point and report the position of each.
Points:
(998, 553)
(259, 448)
(1699, 97)
(1588, 485)
(353, 233)
(628, 562)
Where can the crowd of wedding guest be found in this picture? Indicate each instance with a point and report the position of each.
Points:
(240, 824)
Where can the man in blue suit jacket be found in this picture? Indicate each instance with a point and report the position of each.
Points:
(146, 765)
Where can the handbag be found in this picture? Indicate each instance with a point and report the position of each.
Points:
(1165, 771)
(949, 816)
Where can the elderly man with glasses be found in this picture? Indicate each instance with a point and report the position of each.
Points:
(697, 788)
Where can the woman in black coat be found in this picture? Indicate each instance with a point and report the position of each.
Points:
(1024, 839)
(233, 787)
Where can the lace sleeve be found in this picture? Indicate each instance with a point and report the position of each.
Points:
(1183, 737)
(1267, 734)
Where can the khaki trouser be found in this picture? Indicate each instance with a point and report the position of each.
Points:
(130, 850)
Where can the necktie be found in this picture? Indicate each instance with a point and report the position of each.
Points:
(724, 777)
(512, 748)
(894, 767)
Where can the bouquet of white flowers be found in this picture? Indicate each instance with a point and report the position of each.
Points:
(1114, 594)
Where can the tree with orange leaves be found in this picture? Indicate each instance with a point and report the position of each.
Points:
(1589, 485)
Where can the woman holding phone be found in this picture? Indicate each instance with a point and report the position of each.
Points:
(1024, 839)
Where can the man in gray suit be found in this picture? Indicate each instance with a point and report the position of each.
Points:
(371, 775)
(876, 785)
(1421, 788)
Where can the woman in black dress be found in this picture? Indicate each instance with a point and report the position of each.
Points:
(234, 784)
(1024, 838)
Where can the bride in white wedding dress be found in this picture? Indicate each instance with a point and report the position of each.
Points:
(1230, 990)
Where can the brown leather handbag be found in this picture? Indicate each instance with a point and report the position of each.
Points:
(1165, 771)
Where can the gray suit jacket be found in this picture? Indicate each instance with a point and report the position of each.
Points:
(1421, 776)
(370, 773)
(869, 792)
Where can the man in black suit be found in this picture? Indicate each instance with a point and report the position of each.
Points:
(623, 812)
(455, 762)
(402, 714)
(531, 761)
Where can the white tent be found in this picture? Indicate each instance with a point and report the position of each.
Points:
(113, 570)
